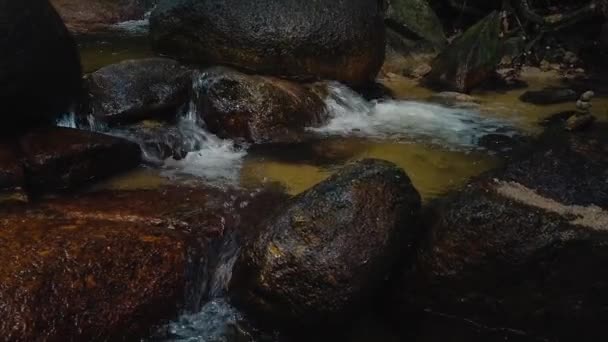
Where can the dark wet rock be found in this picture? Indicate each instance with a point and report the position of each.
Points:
(110, 265)
(140, 89)
(63, 158)
(417, 20)
(329, 248)
(40, 73)
(549, 96)
(525, 247)
(470, 59)
(557, 119)
(159, 140)
(255, 108)
(86, 16)
(503, 144)
(11, 174)
(580, 122)
(328, 39)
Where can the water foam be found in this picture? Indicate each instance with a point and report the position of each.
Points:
(135, 27)
(210, 157)
(218, 321)
(453, 128)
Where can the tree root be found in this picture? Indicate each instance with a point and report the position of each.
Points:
(558, 21)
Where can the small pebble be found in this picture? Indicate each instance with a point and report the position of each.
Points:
(587, 96)
(583, 105)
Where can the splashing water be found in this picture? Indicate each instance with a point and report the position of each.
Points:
(219, 161)
(453, 128)
(218, 321)
(211, 158)
(135, 27)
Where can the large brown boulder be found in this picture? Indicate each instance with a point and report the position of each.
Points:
(523, 248)
(83, 16)
(108, 266)
(256, 109)
(40, 74)
(135, 90)
(64, 158)
(327, 39)
(327, 250)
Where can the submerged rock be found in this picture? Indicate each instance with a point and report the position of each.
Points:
(134, 90)
(470, 59)
(328, 39)
(85, 16)
(256, 109)
(549, 96)
(40, 74)
(454, 99)
(108, 266)
(329, 248)
(525, 247)
(63, 158)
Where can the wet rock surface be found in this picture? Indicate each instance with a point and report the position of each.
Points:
(523, 248)
(329, 248)
(86, 16)
(40, 74)
(471, 59)
(256, 109)
(340, 40)
(550, 96)
(160, 140)
(110, 265)
(134, 90)
(63, 158)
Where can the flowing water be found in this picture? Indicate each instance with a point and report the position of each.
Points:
(438, 146)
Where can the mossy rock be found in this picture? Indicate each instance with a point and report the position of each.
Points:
(470, 59)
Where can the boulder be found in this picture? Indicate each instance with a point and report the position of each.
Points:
(109, 266)
(134, 90)
(523, 248)
(328, 39)
(160, 140)
(327, 250)
(86, 16)
(11, 174)
(407, 56)
(470, 59)
(63, 158)
(256, 109)
(416, 19)
(549, 96)
(40, 74)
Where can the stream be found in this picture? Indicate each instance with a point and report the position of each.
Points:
(438, 146)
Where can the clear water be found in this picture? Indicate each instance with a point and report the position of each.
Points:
(398, 120)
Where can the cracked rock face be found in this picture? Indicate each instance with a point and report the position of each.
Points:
(523, 248)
